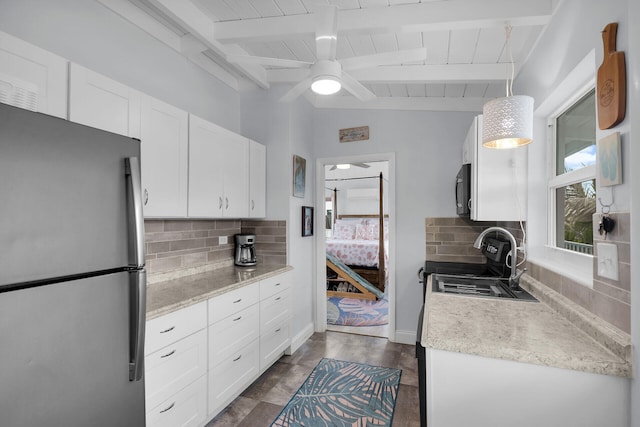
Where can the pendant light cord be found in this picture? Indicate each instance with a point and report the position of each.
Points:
(509, 81)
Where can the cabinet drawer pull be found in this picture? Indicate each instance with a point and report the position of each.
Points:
(237, 318)
(278, 299)
(237, 358)
(168, 330)
(219, 202)
(277, 284)
(168, 354)
(146, 197)
(278, 330)
(226, 199)
(253, 205)
(237, 301)
(168, 408)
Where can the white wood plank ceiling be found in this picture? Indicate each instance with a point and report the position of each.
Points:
(466, 61)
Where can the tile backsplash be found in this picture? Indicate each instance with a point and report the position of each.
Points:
(179, 244)
(451, 239)
(609, 299)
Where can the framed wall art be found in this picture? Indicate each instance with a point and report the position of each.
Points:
(307, 221)
(609, 161)
(299, 176)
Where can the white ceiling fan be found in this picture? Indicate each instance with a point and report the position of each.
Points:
(327, 75)
(348, 165)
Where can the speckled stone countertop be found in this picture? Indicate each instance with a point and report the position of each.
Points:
(521, 331)
(170, 295)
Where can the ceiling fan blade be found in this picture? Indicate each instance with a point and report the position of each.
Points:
(386, 58)
(326, 17)
(276, 62)
(332, 168)
(361, 165)
(297, 90)
(356, 88)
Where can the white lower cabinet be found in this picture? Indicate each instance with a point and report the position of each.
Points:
(176, 368)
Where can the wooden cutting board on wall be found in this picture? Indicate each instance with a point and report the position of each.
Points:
(612, 81)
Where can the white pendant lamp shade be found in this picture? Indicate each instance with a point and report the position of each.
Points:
(507, 122)
(326, 80)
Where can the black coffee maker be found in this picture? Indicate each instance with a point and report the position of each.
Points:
(245, 250)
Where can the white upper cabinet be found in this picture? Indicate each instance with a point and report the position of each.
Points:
(99, 102)
(164, 134)
(218, 171)
(498, 179)
(32, 78)
(257, 179)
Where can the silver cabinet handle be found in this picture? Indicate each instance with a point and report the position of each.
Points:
(168, 408)
(237, 301)
(135, 215)
(237, 358)
(278, 299)
(253, 205)
(168, 354)
(226, 199)
(137, 310)
(219, 202)
(146, 197)
(168, 330)
(237, 318)
(278, 330)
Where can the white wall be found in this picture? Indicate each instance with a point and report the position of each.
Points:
(87, 33)
(573, 33)
(428, 148)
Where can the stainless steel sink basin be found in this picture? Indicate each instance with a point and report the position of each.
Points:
(483, 287)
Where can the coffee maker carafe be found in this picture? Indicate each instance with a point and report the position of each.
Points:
(245, 250)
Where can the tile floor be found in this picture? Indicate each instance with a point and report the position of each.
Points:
(261, 403)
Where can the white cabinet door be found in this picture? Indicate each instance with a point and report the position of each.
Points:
(32, 78)
(206, 177)
(257, 180)
(498, 180)
(165, 138)
(234, 154)
(99, 102)
(218, 171)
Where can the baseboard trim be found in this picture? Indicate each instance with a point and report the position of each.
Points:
(300, 338)
(405, 337)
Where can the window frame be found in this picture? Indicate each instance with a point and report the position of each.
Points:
(554, 182)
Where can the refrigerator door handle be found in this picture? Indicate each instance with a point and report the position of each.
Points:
(137, 322)
(135, 214)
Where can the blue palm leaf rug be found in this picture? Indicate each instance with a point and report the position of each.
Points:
(341, 394)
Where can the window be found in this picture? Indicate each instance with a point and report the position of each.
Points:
(572, 185)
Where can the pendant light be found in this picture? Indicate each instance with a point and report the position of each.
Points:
(508, 122)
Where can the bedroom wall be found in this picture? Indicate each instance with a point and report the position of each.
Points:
(428, 149)
(89, 34)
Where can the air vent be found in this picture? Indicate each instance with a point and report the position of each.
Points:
(18, 93)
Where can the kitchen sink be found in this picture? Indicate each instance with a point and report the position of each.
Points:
(483, 287)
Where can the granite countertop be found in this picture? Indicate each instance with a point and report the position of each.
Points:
(521, 331)
(170, 295)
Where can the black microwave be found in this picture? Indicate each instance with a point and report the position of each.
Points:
(463, 190)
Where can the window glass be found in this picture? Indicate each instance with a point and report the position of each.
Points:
(576, 136)
(576, 204)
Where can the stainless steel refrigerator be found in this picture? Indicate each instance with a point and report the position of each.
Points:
(72, 277)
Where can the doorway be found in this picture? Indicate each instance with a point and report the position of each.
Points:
(355, 252)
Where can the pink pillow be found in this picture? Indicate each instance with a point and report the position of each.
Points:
(361, 232)
(344, 231)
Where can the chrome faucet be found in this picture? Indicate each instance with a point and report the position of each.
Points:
(514, 279)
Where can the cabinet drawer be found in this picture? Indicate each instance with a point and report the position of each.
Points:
(168, 329)
(227, 304)
(186, 408)
(272, 343)
(274, 311)
(233, 333)
(234, 374)
(173, 367)
(273, 285)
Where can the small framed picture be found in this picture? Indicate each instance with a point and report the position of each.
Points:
(299, 175)
(307, 221)
(609, 161)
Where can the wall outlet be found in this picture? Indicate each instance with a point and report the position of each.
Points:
(223, 240)
(608, 260)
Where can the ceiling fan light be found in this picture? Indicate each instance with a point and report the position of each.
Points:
(507, 122)
(343, 166)
(325, 85)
